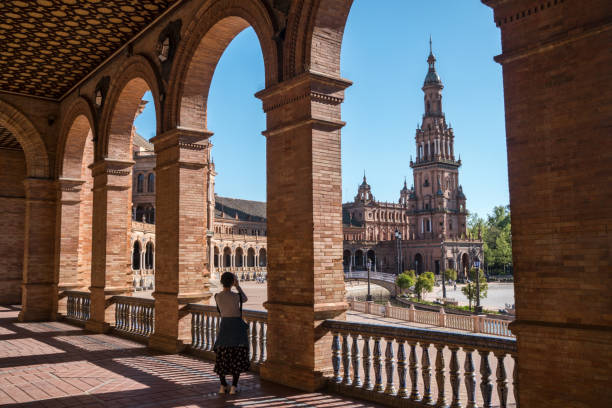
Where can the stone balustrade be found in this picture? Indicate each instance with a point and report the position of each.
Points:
(395, 366)
(77, 305)
(473, 323)
(205, 322)
(133, 315)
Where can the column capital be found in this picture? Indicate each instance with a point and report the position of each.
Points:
(69, 190)
(186, 147)
(308, 84)
(112, 173)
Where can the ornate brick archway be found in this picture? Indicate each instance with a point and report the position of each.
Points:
(75, 201)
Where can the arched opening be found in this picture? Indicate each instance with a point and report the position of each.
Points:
(13, 173)
(359, 261)
(151, 183)
(216, 257)
(140, 183)
(140, 212)
(263, 259)
(239, 257)
(419, 265)
(371, 255)
(227, 257)
(136, 255)
(465, 265)
(346, 260)
(250, 257)
(149, 260)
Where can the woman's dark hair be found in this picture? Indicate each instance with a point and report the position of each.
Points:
(227, 279)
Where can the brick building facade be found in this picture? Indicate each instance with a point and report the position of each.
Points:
(235, 236)
(426, 229)
(64, 227)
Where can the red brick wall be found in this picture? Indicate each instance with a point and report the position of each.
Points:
(12, 217)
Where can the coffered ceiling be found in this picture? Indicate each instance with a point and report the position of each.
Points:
(47, 46)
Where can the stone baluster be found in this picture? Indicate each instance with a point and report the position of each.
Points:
(356, 361)
(455, 379)
(254, 341)
(440, 377)
(206, 322)
(262, 342)
(346, 359)
(336, 357)
(378, 385)
(414, 372)
(389, 367)
(401, 369)
(502, 380)
(515, 381)
(426, 373)
(470, 378)
(195, 337)
(118, 316)
(367, 363)
(213, 331)
(486, 385)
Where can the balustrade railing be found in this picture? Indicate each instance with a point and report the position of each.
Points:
(390, 363)
(77, 305)
(134, 315)
(205, 322)
(472, 323)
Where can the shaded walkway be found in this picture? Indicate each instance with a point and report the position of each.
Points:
(54, 364)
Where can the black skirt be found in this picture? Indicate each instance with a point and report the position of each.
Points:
(232, 347)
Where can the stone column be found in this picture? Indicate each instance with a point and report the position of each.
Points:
(557, 85)
(181, 273)
(39, 250)
(66, 275)
(111, 264)
(305, 278)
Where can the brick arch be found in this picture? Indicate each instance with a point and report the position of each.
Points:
(208, 35)
(136, 77)
(76, 126)
(314, 36)
(37, 160)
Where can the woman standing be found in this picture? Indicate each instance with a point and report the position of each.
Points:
(232, 344)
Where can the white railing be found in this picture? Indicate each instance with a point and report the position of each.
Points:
(134, 315)
(77, 305)
(375, 362)
(205, 322)
(473, 323)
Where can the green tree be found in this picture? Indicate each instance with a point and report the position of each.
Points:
(450, 274)
(406, 280)
(424, 283)
(470, 290)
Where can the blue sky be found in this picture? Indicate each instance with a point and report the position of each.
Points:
(384, 53)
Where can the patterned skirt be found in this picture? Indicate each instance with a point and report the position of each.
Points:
(232, 360)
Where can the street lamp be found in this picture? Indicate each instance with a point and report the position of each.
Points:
(398, 247)
(476, 263)
(443, 266)
(369, 296)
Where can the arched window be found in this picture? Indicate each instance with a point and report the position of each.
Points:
(251, 257)
(239, 258)
(149, 256)
(136, 256)
(151, 183)
(140, 184)
(216, 257)
(263, 260)
(227, 257)
(140, 213)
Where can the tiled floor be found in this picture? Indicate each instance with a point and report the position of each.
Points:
(54, 364)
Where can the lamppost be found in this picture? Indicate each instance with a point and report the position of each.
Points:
(443, 266)
(476, 264)
(369, 296)
(398, 247)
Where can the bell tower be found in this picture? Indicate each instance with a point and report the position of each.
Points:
(439, 201)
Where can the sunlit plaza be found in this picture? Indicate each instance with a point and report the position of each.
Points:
(414, 196)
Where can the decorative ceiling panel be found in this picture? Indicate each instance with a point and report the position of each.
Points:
(47, 46)
(7, 140)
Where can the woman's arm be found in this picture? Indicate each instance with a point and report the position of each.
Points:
(243, 296)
